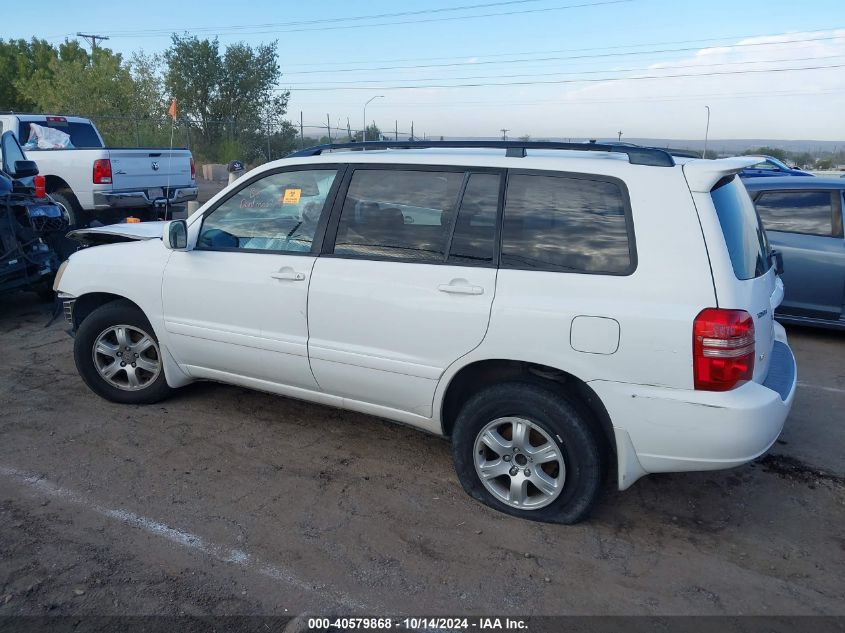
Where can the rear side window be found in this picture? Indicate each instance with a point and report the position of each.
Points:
(744, 236)
(475, 227)
(399, 214)
(82, 135)
(796, 211)
(566, 224)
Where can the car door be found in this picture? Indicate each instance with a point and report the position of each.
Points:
(806, 227)
(405, 283)
(235, 305)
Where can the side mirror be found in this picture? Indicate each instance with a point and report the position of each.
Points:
(25, 169)
(176, 237)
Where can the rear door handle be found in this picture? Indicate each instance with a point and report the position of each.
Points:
(463, 289)
(288, 274)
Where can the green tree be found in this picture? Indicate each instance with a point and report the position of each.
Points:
(373, 133)
(99, 86)
(767, 151)
(20, 60)
(230, 97)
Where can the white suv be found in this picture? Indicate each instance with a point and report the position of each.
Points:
(555, 309)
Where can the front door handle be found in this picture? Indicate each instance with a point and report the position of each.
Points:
(458, 288)
(288, 274)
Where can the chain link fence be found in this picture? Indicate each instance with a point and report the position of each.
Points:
(221, 141)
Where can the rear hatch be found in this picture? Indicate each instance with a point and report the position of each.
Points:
(756, 287)
(142, 169)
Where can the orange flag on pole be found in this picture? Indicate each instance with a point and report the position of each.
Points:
(172, 110)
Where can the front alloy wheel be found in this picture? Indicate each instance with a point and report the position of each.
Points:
(118, 355)
(126, 357)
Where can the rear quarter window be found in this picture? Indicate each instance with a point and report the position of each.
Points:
(564, 223)
(744, 236)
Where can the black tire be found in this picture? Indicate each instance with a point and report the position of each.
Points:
(77, 218)
(104, 317)
(575, 437)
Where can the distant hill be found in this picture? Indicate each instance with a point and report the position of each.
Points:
(738, 145)
(719, 145)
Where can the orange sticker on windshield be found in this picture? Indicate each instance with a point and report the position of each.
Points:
(291, 196)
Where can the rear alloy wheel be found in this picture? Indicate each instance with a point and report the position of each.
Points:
(118, 355)
(526, 450)
(519, 463)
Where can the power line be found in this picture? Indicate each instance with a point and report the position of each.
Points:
(226, 30)
(549, 52)
(570, 57)
(570, 81)
(92, 39)
(628, 99)
(377, 16)
(580, 72)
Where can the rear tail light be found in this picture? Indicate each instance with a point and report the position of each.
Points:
(193, 169)
(722, 349)
(102, 171)
(40, 183)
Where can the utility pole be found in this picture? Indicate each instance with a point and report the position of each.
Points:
(349, 130)
(301, 132)
(504, 132)
(706, 132)
(396, 130)
(412, 130)
(329, 127)
(92, 39)
(620, 136)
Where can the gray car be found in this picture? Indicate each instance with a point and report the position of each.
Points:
(803, 219)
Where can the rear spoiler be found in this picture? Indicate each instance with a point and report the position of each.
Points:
(702, 174)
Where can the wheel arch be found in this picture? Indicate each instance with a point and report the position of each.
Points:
(55, 183)
(86, 303)
(482, 373)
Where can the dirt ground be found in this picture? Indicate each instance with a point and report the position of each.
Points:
(225, 501)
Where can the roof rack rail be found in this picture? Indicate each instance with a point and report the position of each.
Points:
(653, 156)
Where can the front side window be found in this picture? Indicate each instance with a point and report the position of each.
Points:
(277, 213)
(796, 211)
(744, 237)
(398, 214)
(566, 224)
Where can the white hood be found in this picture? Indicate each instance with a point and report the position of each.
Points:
(132, 231)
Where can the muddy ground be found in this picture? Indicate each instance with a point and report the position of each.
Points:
(226, 501)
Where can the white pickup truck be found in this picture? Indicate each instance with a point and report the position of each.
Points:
(94, 182)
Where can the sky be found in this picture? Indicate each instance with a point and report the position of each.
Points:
(545, 68)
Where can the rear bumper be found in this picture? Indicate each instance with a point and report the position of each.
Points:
(134, 198)
(672, 430)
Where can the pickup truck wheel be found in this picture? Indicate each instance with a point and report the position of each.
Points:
(528, 452)
(118, 355)
(76, 216)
